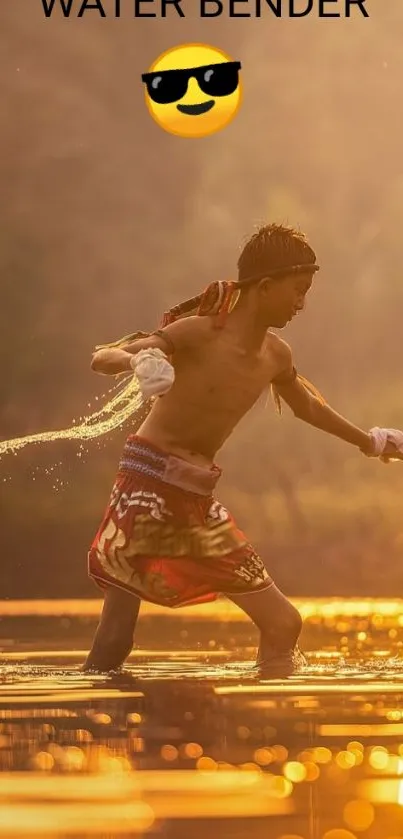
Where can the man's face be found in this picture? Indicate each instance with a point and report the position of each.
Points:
(282, 299)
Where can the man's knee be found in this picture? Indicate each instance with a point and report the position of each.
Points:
(293, 622)
(288, 625)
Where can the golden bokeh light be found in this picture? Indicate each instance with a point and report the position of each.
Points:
(294, 771)
(321, 754)
(169, 753)
(263, 756)
(102, 719)
(312, 771)
(281, 787)
(207, 764)
(359, 815)
(354, 746)
(74, 759)
(43, 761)
(345, 760)
(192, 750)
(378, 758)
(249, 766)
(134, 719)
(280, 753)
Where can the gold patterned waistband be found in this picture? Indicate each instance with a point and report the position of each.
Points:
(142, 457)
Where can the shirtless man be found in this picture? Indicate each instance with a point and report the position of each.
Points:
(164, 537)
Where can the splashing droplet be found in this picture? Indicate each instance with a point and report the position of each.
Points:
(126, 401)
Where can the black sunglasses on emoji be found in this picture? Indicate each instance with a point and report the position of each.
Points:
(169, 86)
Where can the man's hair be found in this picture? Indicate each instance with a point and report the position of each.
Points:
(275, 250)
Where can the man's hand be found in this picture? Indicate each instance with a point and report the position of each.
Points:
(390, 452)
(387, 444)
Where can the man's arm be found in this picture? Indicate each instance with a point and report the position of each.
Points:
(307, 407)
(180, 335)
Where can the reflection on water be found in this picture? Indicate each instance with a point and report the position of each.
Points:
(188, 739)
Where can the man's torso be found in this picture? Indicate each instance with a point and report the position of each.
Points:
(216, 384)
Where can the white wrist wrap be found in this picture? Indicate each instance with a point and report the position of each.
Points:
(382, 436)
(154, 372)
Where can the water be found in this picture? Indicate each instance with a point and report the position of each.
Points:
(125, 400)
(187, 739)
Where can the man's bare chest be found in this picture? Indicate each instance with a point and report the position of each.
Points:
(229, 378)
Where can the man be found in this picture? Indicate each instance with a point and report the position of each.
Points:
(164, 537)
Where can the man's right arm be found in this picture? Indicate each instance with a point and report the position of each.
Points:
(177, 336)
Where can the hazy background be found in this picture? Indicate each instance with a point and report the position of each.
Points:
(106, 220)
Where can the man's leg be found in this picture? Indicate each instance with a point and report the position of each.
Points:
(113, 640)
(280, 625)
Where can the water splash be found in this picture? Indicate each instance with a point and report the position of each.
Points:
(126, 400)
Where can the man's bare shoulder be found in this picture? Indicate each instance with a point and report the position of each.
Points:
(188, 332)
(278, 347)
(280, 353)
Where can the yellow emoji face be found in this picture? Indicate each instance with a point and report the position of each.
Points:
(193, 90)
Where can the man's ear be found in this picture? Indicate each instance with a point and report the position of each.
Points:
(265, 284)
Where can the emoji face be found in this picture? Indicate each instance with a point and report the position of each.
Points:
(193, 90)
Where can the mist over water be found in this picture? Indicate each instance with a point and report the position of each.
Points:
(107, 221)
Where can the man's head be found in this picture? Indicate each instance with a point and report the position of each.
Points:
(276, 268)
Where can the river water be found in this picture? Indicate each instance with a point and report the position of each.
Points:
(187, 741)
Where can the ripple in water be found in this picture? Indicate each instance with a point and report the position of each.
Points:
(173, 667)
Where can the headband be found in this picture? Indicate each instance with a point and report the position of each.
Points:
(308, 268)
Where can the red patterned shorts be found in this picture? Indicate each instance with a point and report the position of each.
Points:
(166, 539)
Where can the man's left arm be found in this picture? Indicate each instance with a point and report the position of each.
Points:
(309, 408)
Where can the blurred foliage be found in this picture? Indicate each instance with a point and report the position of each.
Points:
(106, 221)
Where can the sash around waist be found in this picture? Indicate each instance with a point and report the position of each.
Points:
(144, 458)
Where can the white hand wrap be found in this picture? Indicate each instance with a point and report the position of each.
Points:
(382, 436)
(154, 372)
